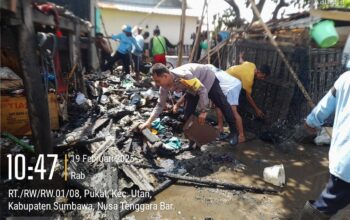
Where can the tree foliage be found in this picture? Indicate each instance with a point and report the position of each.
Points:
(232, 16)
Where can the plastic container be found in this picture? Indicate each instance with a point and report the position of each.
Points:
(275, 175)
(324, 33)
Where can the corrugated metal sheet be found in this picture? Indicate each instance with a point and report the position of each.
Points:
(300, 23)
(146, 9)
(147, 3)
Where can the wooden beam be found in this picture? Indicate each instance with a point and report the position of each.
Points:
(36, 95)
(182, 33)
(198, 34)
(331, 14)
(214, 50)
(65, 23)
(208, 36)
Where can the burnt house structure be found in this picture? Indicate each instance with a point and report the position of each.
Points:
(317, 68)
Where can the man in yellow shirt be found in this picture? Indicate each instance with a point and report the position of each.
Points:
(246, 72)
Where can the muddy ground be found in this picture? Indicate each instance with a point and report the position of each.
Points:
(306, 169)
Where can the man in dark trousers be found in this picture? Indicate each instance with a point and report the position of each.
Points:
(104, 50)
(200, 83)
(336, 194)
(126, 42)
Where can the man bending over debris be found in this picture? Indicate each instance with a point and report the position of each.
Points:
(247, 72)
(231, 87)
(336, 194)
(200, 83)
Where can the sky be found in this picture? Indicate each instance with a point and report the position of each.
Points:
(217, 6)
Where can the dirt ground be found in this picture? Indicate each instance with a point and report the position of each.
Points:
(306, 170)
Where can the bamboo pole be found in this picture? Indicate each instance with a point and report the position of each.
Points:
(198, 33)
(216, 48)
(182, 33)
(283, 57)
(104, 29)
(208, 35)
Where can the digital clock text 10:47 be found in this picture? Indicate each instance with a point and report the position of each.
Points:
(17, 166)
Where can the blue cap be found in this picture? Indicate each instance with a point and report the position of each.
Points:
(126, 28)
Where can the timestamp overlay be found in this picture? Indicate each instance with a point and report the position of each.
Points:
(72, 185)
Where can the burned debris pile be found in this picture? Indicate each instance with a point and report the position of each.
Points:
(104, 143)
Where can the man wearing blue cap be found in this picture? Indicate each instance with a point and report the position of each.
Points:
(126, 41)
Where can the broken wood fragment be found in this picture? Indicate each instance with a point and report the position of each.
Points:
(81, 142)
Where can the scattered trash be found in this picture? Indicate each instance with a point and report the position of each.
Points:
(136, 99)
(7, 73)
(80, 99)
(157, 125)
(173, 143)
(24, 143)
(150, 94)
(275, 175)
(104, 99)
(9, 80)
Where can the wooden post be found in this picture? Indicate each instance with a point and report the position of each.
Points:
(198, 33)
(106, 34)
(208, 35)
(36, 95)
(283, 57)
(182, 33)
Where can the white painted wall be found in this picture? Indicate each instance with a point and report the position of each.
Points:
(169, 25)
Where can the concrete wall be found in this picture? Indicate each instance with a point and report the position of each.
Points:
(169, 24)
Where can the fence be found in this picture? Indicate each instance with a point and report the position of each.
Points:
(278, 96)
(186, 50)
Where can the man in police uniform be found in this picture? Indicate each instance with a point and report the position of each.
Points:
(200, 83)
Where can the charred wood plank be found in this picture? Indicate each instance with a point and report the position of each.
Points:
(139, 178)
(216, 183)
(62, 147)
(99, 149)
(98, 124)
(113, 185)
(140, 200)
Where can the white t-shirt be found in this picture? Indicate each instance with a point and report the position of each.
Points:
(227, 81)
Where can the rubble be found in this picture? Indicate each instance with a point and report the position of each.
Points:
(103, 127)
(110, 130)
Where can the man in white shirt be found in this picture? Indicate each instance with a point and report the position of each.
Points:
(336, 194)
(231, 87)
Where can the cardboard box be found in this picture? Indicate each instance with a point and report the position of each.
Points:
(14, 114)
(201, 134)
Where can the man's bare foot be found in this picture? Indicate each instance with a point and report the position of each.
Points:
(241, 139)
